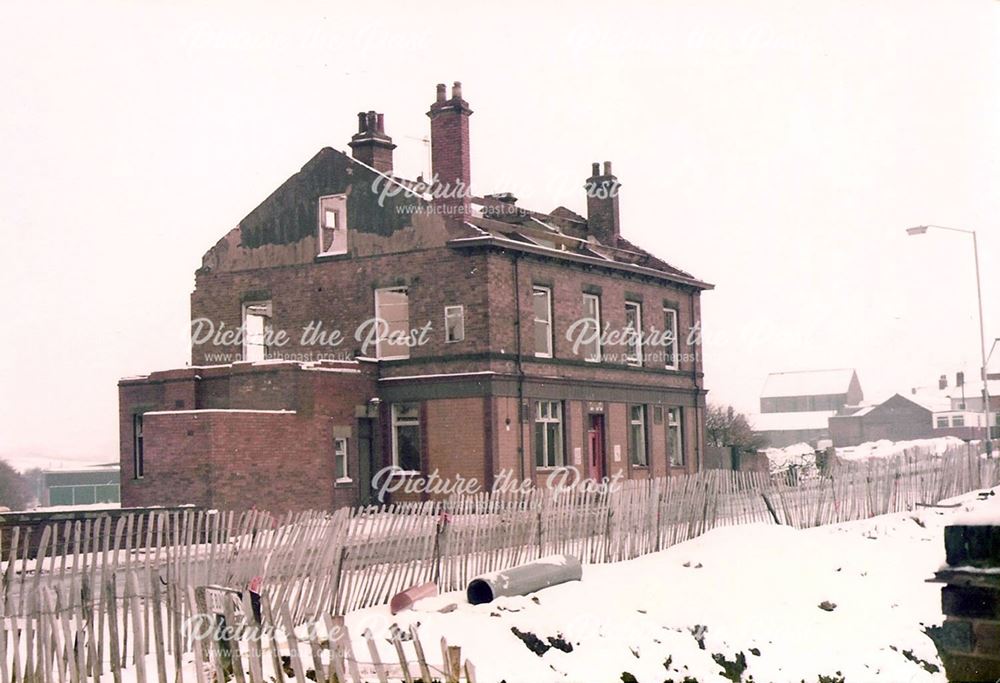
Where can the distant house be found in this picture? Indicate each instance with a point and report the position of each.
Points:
(83, 486)
(926, 412)
(795, 407)
(896, 419)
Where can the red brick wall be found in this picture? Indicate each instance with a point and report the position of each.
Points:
(341, 295)
(235, 460)
(456, 438)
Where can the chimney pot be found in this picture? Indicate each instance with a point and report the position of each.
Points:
(595, 169)
(943, 382)
(370, 145)
(450, 158)
(607, 168)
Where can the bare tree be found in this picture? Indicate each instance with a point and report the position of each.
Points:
(726, 427)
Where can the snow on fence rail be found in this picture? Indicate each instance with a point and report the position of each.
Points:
(121, 589)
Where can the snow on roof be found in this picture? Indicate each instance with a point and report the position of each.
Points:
(933, 400)
(807, 383)
(780, 422)
(863, 411)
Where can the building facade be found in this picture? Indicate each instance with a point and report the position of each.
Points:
(84, 486)
(795, 407)
(359, 334)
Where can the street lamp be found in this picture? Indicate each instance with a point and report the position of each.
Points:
(922, 230)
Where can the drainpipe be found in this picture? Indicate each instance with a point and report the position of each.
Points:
(520, 368)
(699, 436)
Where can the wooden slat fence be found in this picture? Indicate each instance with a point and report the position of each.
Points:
(108, 593)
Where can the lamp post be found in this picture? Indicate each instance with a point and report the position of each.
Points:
(922, 230)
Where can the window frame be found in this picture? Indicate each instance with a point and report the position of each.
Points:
(461, 322)
(635, 361)
(535, 290)
(395, 423)
(672, 360)
(549, 460)
(341, 477)
(396, 290)
(675, 420)
(266, 317)
(339, 208)
(598, 350)
(138, 447)
(643, 423)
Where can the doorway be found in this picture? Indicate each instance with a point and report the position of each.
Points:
(595, 448)
(366, 460)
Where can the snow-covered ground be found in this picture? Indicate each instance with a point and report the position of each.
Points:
(803, 456)
(890, 449)
(848, 600)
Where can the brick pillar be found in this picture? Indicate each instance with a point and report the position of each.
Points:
(969, 640)
(602, 205)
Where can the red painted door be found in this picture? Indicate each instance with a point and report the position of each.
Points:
(595, 447)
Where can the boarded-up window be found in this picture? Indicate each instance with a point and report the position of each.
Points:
(392, 309)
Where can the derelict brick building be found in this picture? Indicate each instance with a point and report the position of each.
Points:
(386, 323)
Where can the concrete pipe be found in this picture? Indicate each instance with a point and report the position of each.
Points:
(527, 578)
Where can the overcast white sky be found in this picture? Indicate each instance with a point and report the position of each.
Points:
(777, 149)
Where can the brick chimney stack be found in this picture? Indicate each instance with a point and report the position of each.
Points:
(602, 205)
(450, 148)
(370, 145)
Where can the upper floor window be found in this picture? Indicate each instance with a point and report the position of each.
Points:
(256, 321)
(633, 336)
(670, 345)
(333, 224)
(942, 421)
(591, 332)
(541, 305)
(392, 309)
(454, 323)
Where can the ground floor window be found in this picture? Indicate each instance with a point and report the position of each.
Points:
(406, 436)
(340, 459)
(138, 465)
(549, 434)
(675, 437)
(638, 453)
